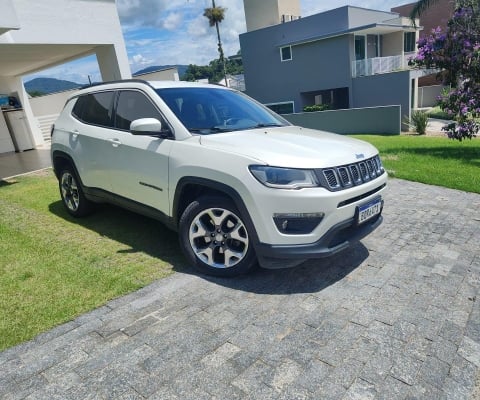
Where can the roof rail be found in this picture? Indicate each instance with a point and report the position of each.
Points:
(94, 84)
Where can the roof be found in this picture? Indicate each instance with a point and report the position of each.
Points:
(369, 29)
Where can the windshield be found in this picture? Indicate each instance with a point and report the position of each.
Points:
(207, 110)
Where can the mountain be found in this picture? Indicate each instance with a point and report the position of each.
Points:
(153, 68)
(52, 85)
(49, 85)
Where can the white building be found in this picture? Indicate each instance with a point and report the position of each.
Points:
(35, 35)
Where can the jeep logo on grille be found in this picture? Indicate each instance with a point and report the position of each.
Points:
(359, 156)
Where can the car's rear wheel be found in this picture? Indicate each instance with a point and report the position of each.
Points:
(72, 194)
(215, 238)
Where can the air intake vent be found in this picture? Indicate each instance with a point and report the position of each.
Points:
(346, 176)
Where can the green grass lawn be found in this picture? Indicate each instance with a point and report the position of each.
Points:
(54, 268)
(432, 160)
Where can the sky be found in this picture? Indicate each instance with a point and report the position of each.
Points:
(170, 32)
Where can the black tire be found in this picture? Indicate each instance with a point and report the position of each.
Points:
(72, 194)
(215, 238)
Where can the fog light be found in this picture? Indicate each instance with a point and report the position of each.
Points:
(297, 223)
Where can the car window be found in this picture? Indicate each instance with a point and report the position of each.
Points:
(212, 110)
(132, 105)
(95, 108)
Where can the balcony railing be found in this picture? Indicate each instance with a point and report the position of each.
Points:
(379, 65)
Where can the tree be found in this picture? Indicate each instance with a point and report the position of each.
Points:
(216, 15)
(420, 7)
(36, 93)
(214, 71)
(457, 53)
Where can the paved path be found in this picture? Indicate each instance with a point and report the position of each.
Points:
(397, 317)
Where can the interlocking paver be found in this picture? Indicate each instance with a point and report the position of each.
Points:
(395, 317)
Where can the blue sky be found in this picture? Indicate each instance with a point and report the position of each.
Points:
(163, 32)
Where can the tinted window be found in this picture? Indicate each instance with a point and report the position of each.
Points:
(409, 42)
(286, 53)
(210, 110)
(282, 108)
(132, 105)
(95, 108)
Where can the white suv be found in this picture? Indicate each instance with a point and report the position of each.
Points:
(239, 183)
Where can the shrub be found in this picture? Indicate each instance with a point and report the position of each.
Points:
(316, 107)
(418, 121)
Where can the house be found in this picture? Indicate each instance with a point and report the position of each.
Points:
(349, 57)
(436, 15)
(36, 35)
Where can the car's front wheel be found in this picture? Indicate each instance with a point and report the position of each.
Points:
(215, 238)
(72, 194)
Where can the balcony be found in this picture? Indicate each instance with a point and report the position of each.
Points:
(380, 65)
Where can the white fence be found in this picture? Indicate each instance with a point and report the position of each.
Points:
(379, 65)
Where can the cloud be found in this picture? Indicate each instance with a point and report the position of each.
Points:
(172, 21)
(139, 60)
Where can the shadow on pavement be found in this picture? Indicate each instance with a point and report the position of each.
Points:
(309, 277)
(142, 234)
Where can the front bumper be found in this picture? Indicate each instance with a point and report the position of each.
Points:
(337, 239)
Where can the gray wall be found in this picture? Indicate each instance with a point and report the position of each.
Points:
(317, 65)
(394, 88)
(314, 66)
(382, 120)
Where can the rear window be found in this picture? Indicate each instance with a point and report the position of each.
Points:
(95, 108)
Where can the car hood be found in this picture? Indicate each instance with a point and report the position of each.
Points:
(292, 146)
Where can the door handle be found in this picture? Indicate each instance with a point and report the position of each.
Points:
(74, 134)
(115, 142)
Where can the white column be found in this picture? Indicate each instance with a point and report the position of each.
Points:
(113, 63)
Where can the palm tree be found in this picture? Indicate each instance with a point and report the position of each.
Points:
(216, 15)
(420, 8)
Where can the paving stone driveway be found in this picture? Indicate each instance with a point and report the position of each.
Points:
(397, 317)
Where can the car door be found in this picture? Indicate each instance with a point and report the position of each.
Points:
(139, 164)
(90, 137)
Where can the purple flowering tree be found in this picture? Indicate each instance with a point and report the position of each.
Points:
(456, 52)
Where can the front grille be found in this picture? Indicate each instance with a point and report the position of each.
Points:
(345, 176)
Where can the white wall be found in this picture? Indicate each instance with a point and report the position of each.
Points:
(14, 86)
(55, 32)
(8, 16)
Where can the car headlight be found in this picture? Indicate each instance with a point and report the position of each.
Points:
(284, 178)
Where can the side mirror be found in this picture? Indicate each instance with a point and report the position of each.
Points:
(146, 126)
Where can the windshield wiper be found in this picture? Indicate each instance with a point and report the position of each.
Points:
(266, 125)
(212, 129)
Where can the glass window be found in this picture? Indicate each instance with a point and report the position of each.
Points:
(286, 53)
(210, 110)
(281, 108)
(409, 42)
(132, 105)
(95, 108)
(359, 48)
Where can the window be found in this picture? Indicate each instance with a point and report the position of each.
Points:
(95, 108)
(286, 53)
(132, 105)
(409, 42)
(282, 108)
(360, 48)
(208, 111)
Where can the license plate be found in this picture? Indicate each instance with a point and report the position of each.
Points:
(369, 210)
